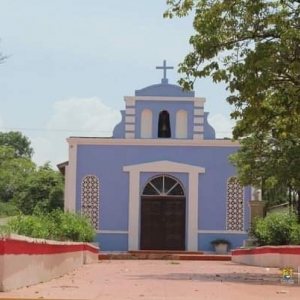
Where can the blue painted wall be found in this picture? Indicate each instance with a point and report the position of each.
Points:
(119, 130)
(209, 131)
(106, 162)
(204, 240)
(112, 242)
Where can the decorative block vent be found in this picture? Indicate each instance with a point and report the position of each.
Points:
(235, 205)
(90, 199)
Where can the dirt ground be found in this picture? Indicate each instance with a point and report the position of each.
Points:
(149, 279)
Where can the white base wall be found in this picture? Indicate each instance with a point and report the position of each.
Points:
(22, 269)
(272, 257)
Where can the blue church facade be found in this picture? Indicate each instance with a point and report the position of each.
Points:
(163, 181)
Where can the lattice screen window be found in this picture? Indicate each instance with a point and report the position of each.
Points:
(90, 199)
(235, 205)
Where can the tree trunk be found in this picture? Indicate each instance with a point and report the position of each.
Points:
(298, 206)
(290, 200)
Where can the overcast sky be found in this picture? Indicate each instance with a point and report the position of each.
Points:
(71, 62)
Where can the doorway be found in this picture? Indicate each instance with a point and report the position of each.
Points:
(163, 211)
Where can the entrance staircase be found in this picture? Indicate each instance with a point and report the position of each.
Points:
(164, 255)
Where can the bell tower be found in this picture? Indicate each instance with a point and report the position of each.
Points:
(164, 111)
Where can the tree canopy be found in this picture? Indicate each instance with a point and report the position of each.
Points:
(18, 142)
(43, 189)
(254, 47)
(23, 185)
(13, 171)
(251, 45)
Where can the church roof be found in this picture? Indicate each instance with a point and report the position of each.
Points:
(164, 89)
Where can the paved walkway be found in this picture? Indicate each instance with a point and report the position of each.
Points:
(157, 280)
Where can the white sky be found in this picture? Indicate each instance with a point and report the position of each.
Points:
(72, 62)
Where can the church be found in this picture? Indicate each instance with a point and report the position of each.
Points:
(162, 181)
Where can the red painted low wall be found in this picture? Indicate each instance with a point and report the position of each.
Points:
(26, 261)
(269, 256)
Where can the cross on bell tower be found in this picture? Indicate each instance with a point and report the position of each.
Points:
(164, 80)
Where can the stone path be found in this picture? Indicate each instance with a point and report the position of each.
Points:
(173, 280)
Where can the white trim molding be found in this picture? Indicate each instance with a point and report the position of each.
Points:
(198, 136)
(129, 127)
(129, 135)
(112, 231)
(223, 231)
(164, 166)
(199, 102)
(134, 198)
(151, 142)
(198, 128)
(198, 112)
(130, 100)
(130, 111)
(129, 119)
(198, 120)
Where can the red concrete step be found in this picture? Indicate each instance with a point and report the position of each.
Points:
(165, 255)
(206, 257)
(108, 256)
(164, 252)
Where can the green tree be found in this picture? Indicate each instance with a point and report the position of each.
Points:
(23, 186)
(251, 45)
(13, 171)
(254, 47)
(270, 163)
(43, 189)
(20, 143)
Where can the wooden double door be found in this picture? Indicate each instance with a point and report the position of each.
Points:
(162, 223)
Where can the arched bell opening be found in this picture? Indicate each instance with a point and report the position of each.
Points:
(164, 128)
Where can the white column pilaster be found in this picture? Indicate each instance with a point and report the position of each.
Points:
(192, 239)
(134, 210)
(70, 185)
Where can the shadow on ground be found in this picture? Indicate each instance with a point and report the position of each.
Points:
(251, 278)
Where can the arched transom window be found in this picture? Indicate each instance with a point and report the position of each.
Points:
(90, 199)
(163, 185)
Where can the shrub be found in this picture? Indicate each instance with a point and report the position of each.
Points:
(295, 235)
(56, 225)
(76, 227)
(7, 209)
(276, 229)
